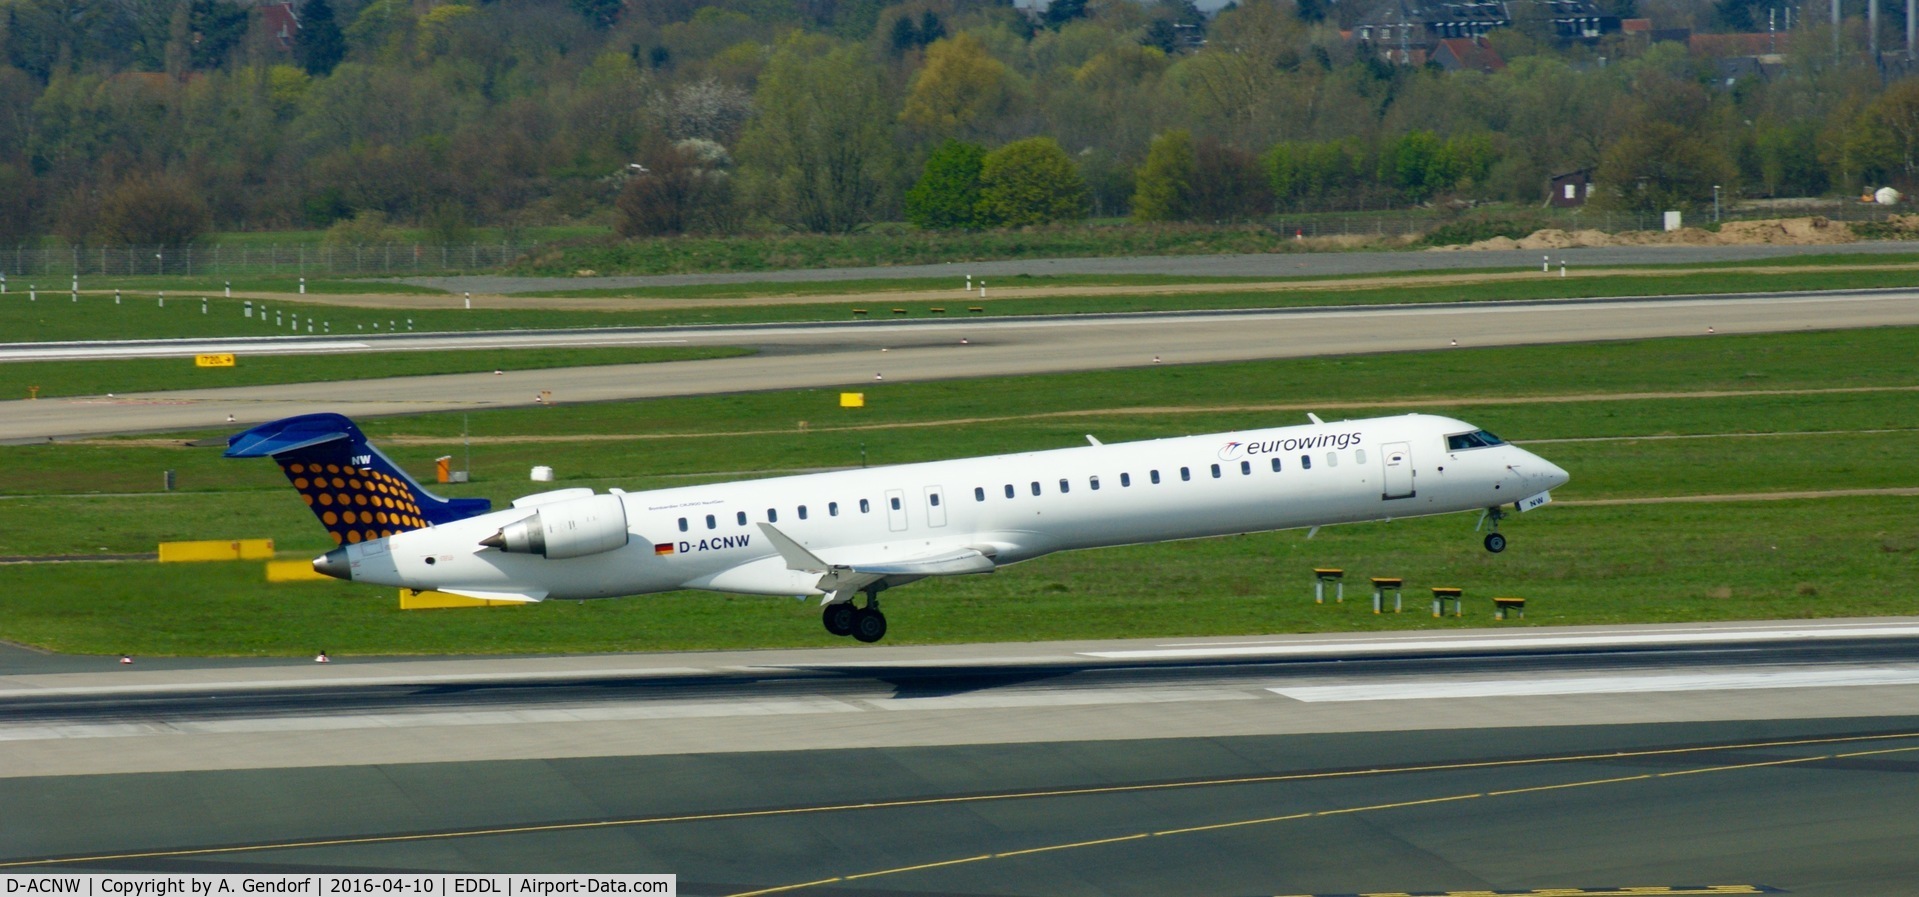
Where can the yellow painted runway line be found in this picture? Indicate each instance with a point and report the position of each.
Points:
(541, 828)
(1371, 808)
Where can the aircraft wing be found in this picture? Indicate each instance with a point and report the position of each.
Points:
(851, 577)
(950, 563)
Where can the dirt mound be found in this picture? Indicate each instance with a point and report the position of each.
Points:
(1785, 231)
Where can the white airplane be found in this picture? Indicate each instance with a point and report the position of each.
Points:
(838, 535)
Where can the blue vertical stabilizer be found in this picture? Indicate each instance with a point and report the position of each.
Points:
(358, 493)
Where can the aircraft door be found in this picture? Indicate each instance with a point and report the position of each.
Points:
(1398, 460)
(935, 506)
(896, 510)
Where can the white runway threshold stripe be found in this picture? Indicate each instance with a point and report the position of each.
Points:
(1599, 685)
(1423, 644)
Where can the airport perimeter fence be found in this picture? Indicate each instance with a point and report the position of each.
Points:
(404, 259)
(299, 259)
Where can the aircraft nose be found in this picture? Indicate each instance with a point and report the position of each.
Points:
(334, 564)
(1552, 475)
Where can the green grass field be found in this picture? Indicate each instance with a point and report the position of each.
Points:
(140, 316)
(1628, 420)
(90, 378)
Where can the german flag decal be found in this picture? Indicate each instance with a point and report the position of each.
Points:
(662, 548)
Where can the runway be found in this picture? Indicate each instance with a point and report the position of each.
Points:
(861, 354)
(1774, 757)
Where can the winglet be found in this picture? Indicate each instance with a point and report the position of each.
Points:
(796, 555)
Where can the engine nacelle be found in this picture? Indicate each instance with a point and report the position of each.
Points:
(567, 529)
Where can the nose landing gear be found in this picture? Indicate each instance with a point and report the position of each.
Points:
(1495, 542)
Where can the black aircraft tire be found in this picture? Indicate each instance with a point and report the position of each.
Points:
(869, 625)
(1495, 543)
(839, 618)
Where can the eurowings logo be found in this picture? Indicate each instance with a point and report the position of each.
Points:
(1232, 451)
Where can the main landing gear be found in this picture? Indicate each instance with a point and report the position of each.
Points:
(1495, 542)
(864, 623)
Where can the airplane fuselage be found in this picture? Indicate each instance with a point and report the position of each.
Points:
(1008, 508)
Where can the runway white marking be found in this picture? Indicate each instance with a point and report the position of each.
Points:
(56, 351)
(1064, 698)
(196, 686)
(1618, 640)
(639, 710)
(544, 716)
(1598, 685)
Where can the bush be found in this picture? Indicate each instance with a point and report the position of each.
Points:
(152, 212)
(686, 189)
(368, 228)
(1473, 230)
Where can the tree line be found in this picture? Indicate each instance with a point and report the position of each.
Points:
(157, 120)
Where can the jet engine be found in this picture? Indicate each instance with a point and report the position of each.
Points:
(567, 529)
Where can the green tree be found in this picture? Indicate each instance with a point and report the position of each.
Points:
(946, 196)
(1163, 186)
(1886, 141)
(219, 26)
(960, 89)
(1658, 165)
(1226, 184)
(820, 150)
(1409, 163)
(318, 45)
(1030, 181)
(601, 13)
(16, 205)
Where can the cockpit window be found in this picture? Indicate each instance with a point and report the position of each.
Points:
(1475, 439)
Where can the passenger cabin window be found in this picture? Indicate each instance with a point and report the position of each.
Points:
(1275, 463)
(1305, 462)
(1125, 480)
(1246, 468)
(979, 494)
(1215, 471)
(1092, 483)
(832, 509)
(682, 524)
(741, 518)
(1332, 459)
(866, 507)
(711, 522)
(1359, 456)
(1185, 474)
(894, 503)
(802, 512)
(1064, 487)
(1154, 476)
(1035, 487)
(1009, 490)
(933, 499)
(772, 516)
(1473, 440)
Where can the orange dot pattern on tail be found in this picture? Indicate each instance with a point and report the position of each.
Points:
(355, 505)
